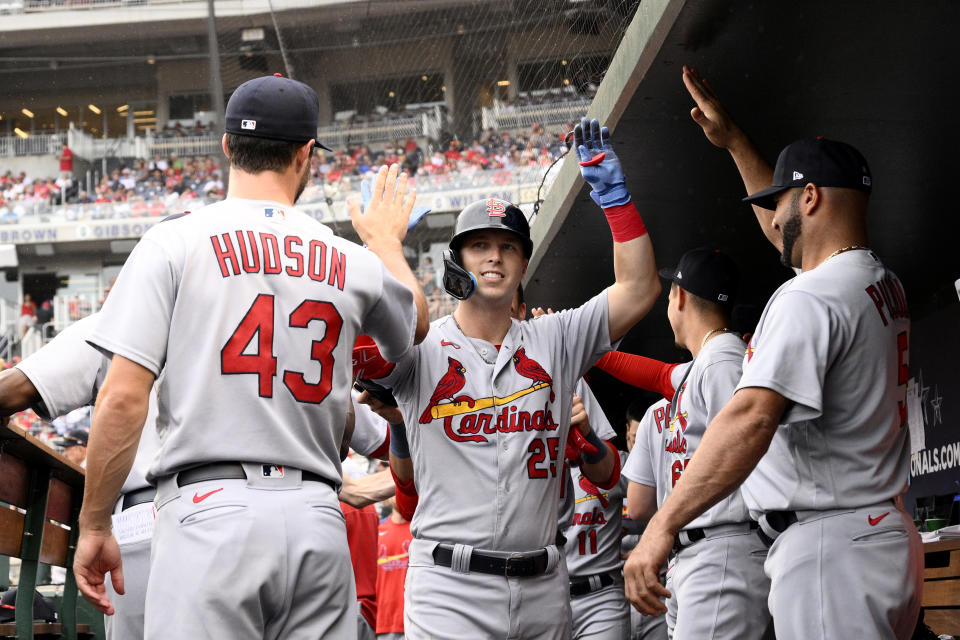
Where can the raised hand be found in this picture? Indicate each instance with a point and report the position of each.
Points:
(366, 195)
(387, 216)
(599, 164)
(716, 123)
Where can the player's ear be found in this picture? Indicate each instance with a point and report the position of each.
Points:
(303, 155)
(810, 198)
(223, 145)
(681, 298)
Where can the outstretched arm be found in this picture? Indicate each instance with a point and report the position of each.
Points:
(639, 371)
(723, 132)
(734, 442)
(367, 490)
(637, 286)
(16, 392)
(383, 226)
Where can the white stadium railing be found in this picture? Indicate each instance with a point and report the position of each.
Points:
(32, 6)
(502, 116)
(36, 145)
(205, 145)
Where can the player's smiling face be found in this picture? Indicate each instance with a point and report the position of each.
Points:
(496, 259)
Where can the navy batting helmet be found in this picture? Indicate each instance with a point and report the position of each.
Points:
(491, 213)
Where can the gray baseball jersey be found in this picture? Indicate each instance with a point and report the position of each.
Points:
(603, 428)
(718, 585)
(593, 533)
(702, 388)
(840, 458)
(844, 329)
(253, 309)
(487, 426)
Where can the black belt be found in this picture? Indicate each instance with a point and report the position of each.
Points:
(778, 521)
(139, 496)
(696, 535)
(582, 586)
(519, 565)
(233, 471)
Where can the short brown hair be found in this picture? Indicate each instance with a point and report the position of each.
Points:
(255, 155)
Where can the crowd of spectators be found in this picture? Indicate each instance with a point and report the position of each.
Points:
(170, 184)
(144, 188)
(491, 151)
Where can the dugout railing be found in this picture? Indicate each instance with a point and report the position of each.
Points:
(40, 496)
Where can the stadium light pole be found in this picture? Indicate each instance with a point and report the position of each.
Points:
(216, 84)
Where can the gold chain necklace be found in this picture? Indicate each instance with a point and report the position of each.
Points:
(845, 249)
(711, 332)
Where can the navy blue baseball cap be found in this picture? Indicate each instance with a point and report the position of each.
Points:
(274, 107)
(706, 273)
(825, 163)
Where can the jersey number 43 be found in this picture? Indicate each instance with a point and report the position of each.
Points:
(259, 322)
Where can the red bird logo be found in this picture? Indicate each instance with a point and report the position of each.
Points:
(530, 368)
(451, 382)
(591, 489)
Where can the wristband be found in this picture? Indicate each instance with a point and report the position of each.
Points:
(625, 222)
(593, 439)
(398, 441)
(614, 474)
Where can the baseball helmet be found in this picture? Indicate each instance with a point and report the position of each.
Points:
(491, 213)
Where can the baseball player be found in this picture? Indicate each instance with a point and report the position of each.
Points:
(716, 577)
(592, 547)
(65, 374)
(487, 401)
(252, 307)
(816, 429)
(590, 522)
(641, 627)
(646, 458)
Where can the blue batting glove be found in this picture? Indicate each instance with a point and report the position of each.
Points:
(599, 164)
(418, 214)
(366, 194)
